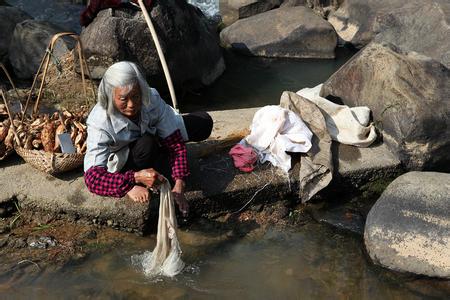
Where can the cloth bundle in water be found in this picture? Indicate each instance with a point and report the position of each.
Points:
(165, 260)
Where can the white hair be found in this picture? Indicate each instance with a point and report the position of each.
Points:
(121, 74)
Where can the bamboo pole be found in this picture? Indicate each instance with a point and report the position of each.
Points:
(160, 54)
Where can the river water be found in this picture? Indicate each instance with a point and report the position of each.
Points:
(312, 262)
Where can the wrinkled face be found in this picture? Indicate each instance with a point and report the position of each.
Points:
(128, 101)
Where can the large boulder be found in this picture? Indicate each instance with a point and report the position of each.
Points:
(295, 32)
(408, 94)
(233, 10)
(408, 228)
(424, 29)
(28, 44)
(9, 17)
(190, 45)
(358, 21)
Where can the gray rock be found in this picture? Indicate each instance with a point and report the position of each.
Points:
(408, 95)
(28, 44)
(9, 17)
(425, 30)
(284, 32)
(358, 21)
(292, 3)
(190, 45)
(408, 228)
(240, 9)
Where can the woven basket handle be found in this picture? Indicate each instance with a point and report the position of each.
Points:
(45, 63)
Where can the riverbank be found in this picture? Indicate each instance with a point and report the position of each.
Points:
(215, 186)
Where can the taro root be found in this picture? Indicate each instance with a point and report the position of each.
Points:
(9, 140)
(48, 136)
(4, 128)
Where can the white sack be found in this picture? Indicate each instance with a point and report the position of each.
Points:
(347, 125)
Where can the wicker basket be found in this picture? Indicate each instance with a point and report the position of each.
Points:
(51, 163)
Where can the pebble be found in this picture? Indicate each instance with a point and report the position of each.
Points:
(42, 242)
(3, 212)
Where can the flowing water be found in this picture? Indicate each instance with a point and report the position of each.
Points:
(312, 262)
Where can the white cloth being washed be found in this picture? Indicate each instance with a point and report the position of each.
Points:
(165, 260)
(275, 130)
(347, 125)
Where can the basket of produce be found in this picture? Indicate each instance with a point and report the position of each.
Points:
(53, 144)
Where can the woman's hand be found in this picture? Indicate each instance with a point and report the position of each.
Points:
(139, 194)
(149, 177)
(178, 194)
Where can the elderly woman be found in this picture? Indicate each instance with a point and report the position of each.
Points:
(133, 135)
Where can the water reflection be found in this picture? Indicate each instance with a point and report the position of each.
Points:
(257, 81)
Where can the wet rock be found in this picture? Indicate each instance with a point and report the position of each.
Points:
(240, 9)
(408, 228)
(9, 17)
(408, 95)
(284, 32)
(292, 3)
(358, 21)
(28, 44)
(342, 219)
(122, 34)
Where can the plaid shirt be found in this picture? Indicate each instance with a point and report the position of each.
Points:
(101, 182)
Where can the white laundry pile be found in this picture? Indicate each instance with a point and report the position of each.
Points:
(165, 259)
(275, 130)
(347, 125)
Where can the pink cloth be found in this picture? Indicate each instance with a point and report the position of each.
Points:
(244, 158)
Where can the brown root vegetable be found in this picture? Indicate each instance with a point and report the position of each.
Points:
(37, 143)
(9, 140)
(83, 148)
(80, 138)
(28, 143)
(73, 133)
(4, 128)
(79, 125)
(48, 136)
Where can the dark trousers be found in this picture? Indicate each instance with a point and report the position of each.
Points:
(146, 152)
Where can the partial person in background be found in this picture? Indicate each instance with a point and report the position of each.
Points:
(134, 137)
(95, 6)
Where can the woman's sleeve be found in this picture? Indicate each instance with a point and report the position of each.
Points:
(177, 155)
(99, 181)
(97, 178)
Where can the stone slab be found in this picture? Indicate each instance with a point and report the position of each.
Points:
(215, 185)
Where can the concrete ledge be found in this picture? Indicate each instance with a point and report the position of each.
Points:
(215, 185)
